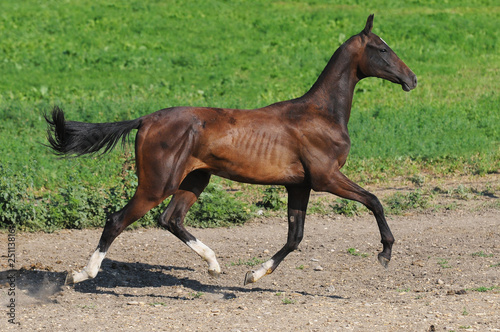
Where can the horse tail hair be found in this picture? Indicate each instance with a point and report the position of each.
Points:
(68, 138)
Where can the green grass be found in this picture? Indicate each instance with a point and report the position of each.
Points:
(196, 295)
(354, 252)
(481, 254)
(484, 289)
(287, 301)
(399, 203)
(284, 299)
(250, 262)
(443, 263)
(114, 60)
(403, 290)
(346, 207)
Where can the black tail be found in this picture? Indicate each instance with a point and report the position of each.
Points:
(79, 138)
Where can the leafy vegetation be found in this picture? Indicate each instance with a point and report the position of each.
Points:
(346, 207)
(250, 262)
(273, 199)
(216, 207)
(114, 60)
(399, 203)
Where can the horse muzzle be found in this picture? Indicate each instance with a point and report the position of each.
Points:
(410, 82)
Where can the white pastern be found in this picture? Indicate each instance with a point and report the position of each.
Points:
(207, 254)
(89, 271)
(262, 270)
(94, 264)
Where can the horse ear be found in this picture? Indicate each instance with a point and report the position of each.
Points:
(369, 25)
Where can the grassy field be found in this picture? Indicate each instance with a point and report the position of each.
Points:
(115, 60)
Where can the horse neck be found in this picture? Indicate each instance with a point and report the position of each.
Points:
(334, 89)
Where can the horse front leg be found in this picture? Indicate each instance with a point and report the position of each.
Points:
(340, 185)
(298, 197)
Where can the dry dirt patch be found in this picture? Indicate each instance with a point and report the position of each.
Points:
(151, 281)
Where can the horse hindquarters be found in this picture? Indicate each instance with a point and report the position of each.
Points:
(160, 170)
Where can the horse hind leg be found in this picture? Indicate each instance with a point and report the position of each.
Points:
(298, 199)
(137, 207)
(173, 217)
(160, 171)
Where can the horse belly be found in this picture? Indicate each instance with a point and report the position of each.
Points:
(258, 157)
(259, 173)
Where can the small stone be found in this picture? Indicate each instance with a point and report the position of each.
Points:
(440, 282)
(133, 303)
(418, 263)
(314, 260)
(318, 268)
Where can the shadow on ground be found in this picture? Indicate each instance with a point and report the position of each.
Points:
(116, 276)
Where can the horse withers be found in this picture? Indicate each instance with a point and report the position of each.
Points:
(301, 144)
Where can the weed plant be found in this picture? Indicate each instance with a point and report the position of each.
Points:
(346, 207)
(400, 203)
(273, 198)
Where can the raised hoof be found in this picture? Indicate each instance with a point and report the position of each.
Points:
(384, 261)
(249, 278)
(69, 279)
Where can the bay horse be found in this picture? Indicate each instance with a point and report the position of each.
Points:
(301, 144)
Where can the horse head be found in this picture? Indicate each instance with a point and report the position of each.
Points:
(379, 60)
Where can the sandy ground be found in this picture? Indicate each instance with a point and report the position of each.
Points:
(444, 276)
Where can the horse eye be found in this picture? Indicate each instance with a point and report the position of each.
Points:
(383, 50)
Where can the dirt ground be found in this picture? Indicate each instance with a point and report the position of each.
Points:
(444, 276)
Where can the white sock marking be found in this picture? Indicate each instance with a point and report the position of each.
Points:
(94, 263)
(207, 254)
(262, 270)
(92, 268)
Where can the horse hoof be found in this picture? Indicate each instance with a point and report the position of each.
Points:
(249, 278)
(69, 279)
(214, 273)
(384, 261)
